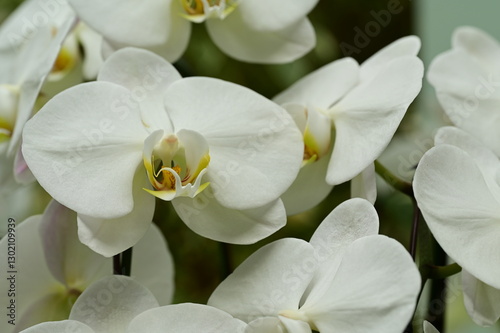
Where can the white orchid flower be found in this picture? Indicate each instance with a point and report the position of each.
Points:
(29, 47)
(252, 31)
(54, 268)
(467, 83)
(457, 189)
(348, 114)
(119, 304)
(346, 279)
(220, 152)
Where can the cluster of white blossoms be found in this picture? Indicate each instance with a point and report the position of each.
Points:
(93, 110)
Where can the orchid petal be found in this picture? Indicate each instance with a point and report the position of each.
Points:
(245, 157)
(271, 280)
(309, 188)
(147, 76)
(486, 160)
(185, 318)
(461, 211)
(349, 221)
(207, 217)
(79, 160)
(483, 47)
(131, 24)
(265, 325)
(58, 231)
(243, 42)
(153, 266)
(364, 185)
(64, 326)
(470, 96)
(323, 87)
(406, 46)
(109, 237)
(110, 304)
(31, 262)
(367, 118)
(295, 326)
(374, 290)
(92, 43)
(481, 300)
(272, 15)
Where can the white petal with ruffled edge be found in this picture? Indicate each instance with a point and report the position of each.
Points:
(249, 137)
(323, 87)
(460, 210)
(207, 217)
(93, 154)
(366, 119)
(374, 290)
(110, 304)
(242, 42)
(271, 280)
(481, 300)
(185, 318)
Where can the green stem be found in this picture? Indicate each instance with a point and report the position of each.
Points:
(397, 183)
(437, 304)
(117, 265)
(226, 265)
(440, 272)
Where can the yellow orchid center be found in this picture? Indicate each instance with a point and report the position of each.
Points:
(199, 10)
(175, 164)
(66, 60)
(9, 96)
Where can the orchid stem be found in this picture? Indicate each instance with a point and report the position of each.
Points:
(226, 266)
(127, 261)
(397, 183)
(122, 263)
(117, 266)
(441, 272)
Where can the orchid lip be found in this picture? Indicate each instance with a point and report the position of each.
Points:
(176, 163)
